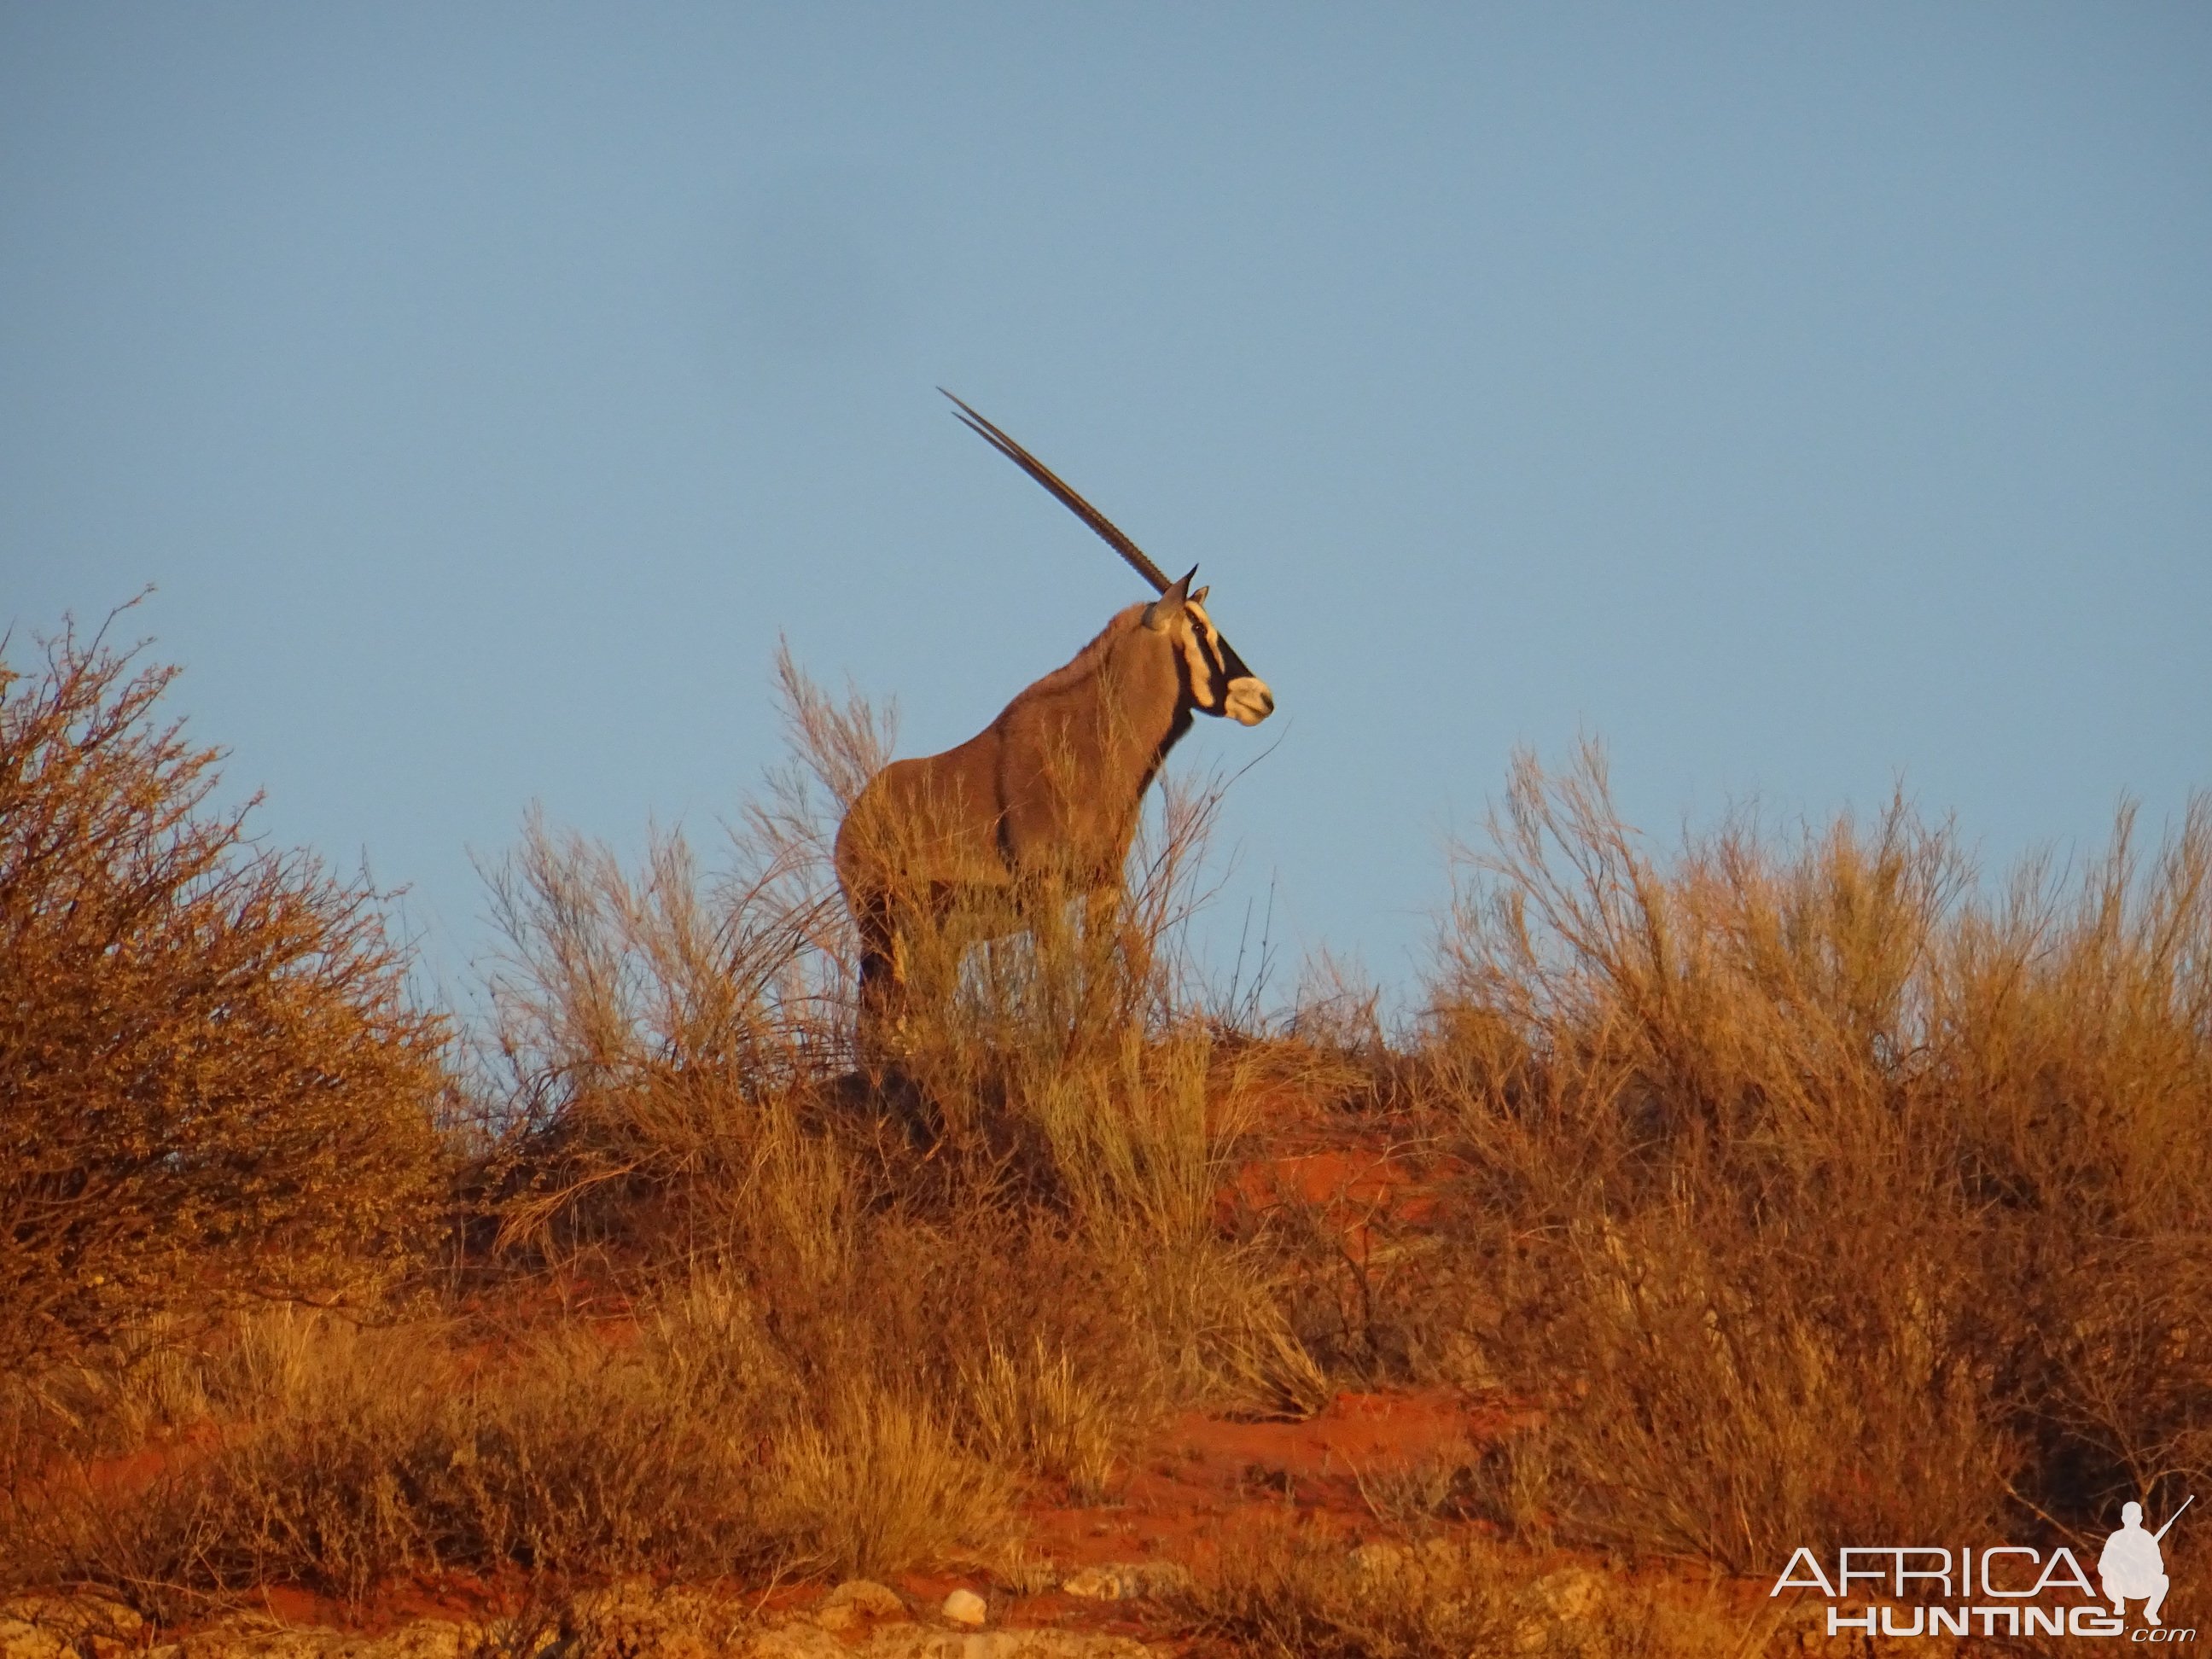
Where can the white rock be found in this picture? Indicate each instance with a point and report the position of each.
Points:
(964, 1607)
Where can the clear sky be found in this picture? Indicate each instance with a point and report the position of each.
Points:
(1795, 397)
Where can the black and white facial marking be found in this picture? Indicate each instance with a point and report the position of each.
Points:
(1219, 683)
(1214, 675)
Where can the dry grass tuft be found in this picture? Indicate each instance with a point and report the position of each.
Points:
(337, 1458)
(1300, 1593)
(881, 1484)
(1824, 1198)
(1038, 1412)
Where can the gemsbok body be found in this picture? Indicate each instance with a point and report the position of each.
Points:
(1042, 804)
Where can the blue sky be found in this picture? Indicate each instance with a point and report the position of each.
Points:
(1795, 398)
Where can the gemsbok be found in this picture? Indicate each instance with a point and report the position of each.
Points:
(1042, 804)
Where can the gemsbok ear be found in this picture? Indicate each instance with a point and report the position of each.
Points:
(1163, 610)
(1198, 598)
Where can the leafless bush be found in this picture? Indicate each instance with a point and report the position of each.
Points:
(212, 1083)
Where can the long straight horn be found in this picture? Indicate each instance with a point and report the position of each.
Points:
(1075, 503)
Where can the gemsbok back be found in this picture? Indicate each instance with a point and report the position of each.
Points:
(1041, 806)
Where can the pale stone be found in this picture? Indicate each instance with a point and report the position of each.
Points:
(1123, 1581)
(964, 1607)
(1380, 1559)
(865, 1595)
(1093, 1583)
(253, 1636)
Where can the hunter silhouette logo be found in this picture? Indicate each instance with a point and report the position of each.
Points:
(1995, 1589)
(2131, 1568)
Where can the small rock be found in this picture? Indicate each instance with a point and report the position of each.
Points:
(1386, 1560)
(1093, 1583)
(1563, 1599)
(1125, 1581)
(866, 1596)
(964, 1607)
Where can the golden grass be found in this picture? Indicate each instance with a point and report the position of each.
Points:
(860, 1313)
(1036, 1410)
(337, 1458)
(1813, 1191)
(882, 1483)
(1300, 1594)
(1824, 1195)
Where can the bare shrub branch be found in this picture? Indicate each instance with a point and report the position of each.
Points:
(212, 1083)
